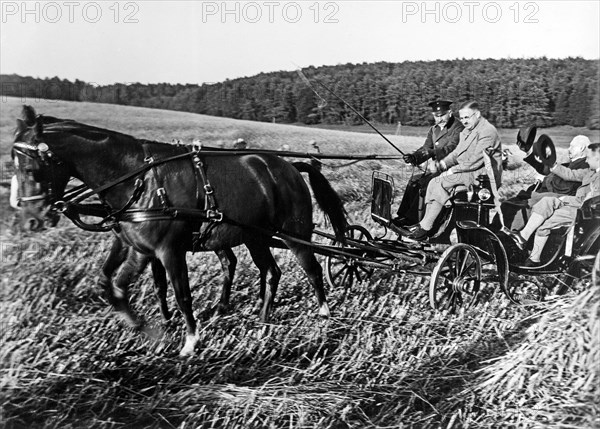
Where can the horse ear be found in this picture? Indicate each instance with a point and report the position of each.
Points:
(28, 115)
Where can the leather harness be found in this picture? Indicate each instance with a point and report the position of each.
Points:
(70, 205)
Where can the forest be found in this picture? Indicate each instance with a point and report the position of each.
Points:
(512, 92)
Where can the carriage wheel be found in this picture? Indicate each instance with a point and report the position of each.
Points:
(577, 275)
(456, 279)
(341, 271)
(525, 290)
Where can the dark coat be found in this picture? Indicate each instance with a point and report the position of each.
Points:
(558, 185)
(438, 146)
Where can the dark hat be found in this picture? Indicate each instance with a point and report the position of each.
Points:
(543, 155)
(545, 150)
(526, 137)
(440, 106)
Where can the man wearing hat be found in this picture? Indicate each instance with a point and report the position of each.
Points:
(552, 185)
(314, 148)
(552, 212)
(441, 139)
(462, 166)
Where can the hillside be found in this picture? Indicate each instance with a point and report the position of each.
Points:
(513, 92)
(164, 125)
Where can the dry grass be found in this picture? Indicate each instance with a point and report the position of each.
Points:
(383, 360)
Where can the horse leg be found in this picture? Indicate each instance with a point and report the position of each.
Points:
(313, 270)
(115, 258)
(262, 257)
(128, 272)
(228, 263)
(176, 266)
(160, 287)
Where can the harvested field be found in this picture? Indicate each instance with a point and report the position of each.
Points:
(384, 359)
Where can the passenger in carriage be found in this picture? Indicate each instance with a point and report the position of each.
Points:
(551, 185)
(553, 212)
(462, 166)
(442, 139)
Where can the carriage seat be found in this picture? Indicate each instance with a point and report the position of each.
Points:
(590, 209)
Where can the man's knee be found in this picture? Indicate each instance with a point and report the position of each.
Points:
(547, 205)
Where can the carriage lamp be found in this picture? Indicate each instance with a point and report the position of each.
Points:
(484, 194)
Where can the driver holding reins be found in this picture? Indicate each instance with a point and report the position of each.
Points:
(441, 139)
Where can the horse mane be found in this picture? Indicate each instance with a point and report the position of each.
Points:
(89, 132)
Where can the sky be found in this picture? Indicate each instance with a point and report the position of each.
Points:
(210, 41)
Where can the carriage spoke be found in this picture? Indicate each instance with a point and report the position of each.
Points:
(350, 280)
(461, 262)
(465, 268)
(358, 276)
(366, 271)
(447, 300)
(340, 271)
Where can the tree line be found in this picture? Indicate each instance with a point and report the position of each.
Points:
(512, 92)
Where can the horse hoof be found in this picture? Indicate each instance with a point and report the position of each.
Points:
(324, 311)
(185, 353)
(131, 321)
(188, 348)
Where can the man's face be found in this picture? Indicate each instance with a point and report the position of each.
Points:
(469, 118)
(593, 159)
(576, 151)
(442, 119)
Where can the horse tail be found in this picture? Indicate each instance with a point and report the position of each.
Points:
(329, 201)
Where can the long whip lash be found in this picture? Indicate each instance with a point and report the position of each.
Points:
(305, 79)
(323, 102)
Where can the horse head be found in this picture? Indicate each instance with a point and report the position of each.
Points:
(40, 179)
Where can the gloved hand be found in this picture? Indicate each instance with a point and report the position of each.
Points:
(410, 158)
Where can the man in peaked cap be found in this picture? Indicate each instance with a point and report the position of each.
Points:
(462, 166)
(441, 139)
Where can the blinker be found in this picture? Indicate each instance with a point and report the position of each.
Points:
(43, 147)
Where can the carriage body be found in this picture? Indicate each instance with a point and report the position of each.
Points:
(474, 205)
(570, 251)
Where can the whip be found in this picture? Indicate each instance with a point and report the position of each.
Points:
(305, 79)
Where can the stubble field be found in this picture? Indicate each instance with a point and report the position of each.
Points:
(384, 358)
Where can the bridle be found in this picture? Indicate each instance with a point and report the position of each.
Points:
(44, 157)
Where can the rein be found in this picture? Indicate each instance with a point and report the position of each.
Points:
(70, 204)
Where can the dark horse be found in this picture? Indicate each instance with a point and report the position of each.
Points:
(257, 195)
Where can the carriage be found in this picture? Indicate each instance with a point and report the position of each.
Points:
(470, 253)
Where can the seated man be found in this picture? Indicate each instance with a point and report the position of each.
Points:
(462, 166)
(552, 185)
(441, 139)
(553, 212)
